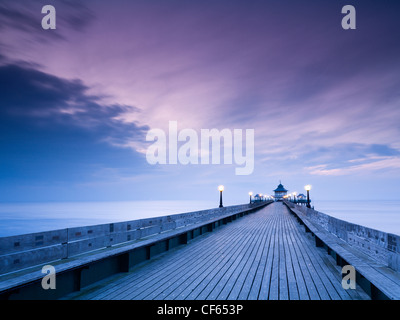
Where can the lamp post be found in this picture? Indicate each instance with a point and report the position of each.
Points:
(294, 196)
(308, 188)
(250, 194)
(220, 188)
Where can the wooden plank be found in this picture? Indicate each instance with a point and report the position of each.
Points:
(266, 259)
(201, 279)
(306, 274)
(233, 286)
(140, 274)
(216, 279)
(274, 284)
(292, 283)
(204, 279)
(368, 267)
(266, 255)
(332, 272)
(210, 285)
(194, 261)
(143, 284)
(192, 270)
(267, 274)
(335, 271)
(315, 277)
(252, 283)
(326, 289)
(283, 276)
(43, 239)
(298, 275)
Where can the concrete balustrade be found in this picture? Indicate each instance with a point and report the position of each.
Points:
(23, 251)
(382, 246)
(84, 255)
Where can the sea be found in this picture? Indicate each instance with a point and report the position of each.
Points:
(22, 218)
(382, 215)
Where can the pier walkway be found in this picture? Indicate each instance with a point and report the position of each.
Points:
(265, 255)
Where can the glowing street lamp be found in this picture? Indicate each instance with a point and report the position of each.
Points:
(308, 188)
(294, 196)
(220, 188)
(250, 194)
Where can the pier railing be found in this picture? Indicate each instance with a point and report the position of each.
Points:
(382, 246)
(24, 251)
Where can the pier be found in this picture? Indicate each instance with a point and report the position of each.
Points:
(260, 251)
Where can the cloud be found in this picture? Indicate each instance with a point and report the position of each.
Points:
(42, 99)
(21, 23)
(321, 100)
(354, 158)
(26, 16)
(385, 163)
(17, 16)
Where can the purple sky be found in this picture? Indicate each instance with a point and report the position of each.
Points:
(324, 102)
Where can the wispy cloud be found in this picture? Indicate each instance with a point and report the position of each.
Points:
(23, 18)
(368, 166)
(321, 101)
(46, 100)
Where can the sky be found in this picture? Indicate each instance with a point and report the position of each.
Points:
(77, 102)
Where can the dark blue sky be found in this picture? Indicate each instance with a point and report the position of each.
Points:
(77, 102)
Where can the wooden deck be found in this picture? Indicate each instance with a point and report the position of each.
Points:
(266, 255)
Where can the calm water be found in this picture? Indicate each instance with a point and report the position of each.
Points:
(20, 218)
(380, 215)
